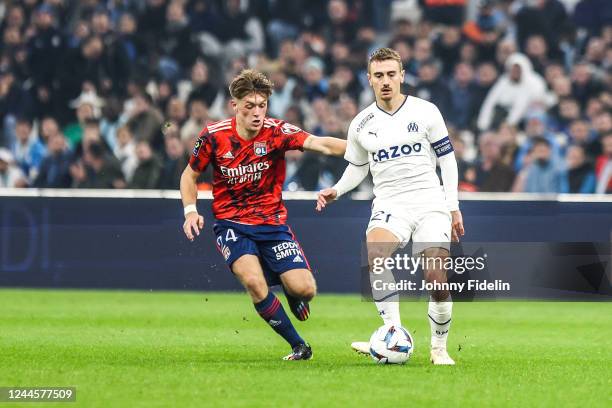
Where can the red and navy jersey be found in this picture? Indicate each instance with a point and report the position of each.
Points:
(248, 175)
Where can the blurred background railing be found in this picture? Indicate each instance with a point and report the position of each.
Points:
(134, 238)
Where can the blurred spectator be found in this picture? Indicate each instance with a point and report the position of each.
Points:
(235, 33)
(10, 174)
(315, 83)
(173, 42)
(580, 173)
(537, 51)
(148, 171)
(593, 15)
(448, 12)
(282, 97)
(544, 174)
(176, 160)
(87, 107)
(28, 151)
(54, 171)
(200, 86)
(14, 102)
(48, 128)
(492, 175)
(125, 152)
(97, 169)
(545, 17)
(447, 47)
(198, 117)
(584, 85)
(45, 49)
(603, 166)
(535, 129)
(145, 120)
(176, 110)
(580, 134)
(463, 96)
(564, 113)
(512, 95)
(432, 88)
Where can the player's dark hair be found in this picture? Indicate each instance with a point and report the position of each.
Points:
(383, 54)
(250, 81)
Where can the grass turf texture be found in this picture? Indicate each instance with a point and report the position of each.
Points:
(202, 349)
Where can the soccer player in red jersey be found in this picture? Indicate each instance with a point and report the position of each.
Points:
(247, 153)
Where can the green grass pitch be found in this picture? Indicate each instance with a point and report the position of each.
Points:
(149, 349)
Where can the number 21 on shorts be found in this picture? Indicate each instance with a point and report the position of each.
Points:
(380, 216)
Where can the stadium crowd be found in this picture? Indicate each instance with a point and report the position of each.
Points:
(87, 86)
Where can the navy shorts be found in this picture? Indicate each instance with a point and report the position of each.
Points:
(275, 245)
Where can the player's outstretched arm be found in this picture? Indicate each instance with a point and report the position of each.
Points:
(189, 194)
(450, 178)
(331, 146)
(353, 175)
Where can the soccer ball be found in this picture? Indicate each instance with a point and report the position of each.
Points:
(391, 345)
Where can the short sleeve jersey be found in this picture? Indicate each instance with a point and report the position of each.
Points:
(248, 175)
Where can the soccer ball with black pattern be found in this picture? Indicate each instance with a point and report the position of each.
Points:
(391, 345)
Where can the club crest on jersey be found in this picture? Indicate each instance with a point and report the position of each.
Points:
(413, 127)
(260, 148)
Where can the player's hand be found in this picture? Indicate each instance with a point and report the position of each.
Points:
(194, 222)
(324, 197)
(457, 229)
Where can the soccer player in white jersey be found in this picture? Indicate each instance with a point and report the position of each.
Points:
(399, 138)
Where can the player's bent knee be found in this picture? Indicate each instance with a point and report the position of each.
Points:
(305, 290)
(308, 292)
(256, 286)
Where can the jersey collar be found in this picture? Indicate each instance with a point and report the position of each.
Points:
(397, 110)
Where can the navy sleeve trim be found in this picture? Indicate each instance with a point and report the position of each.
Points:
(358, 165)
(442, 147)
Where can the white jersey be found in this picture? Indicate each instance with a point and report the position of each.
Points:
(401, 149)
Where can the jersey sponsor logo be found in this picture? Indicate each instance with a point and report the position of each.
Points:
(374, 132)
(442, 146)
(228, 155)
(298, 259)
(289, 129)
(286, 249)
(243, 174)
(413, 127)
(394, 152)
(260, 148)
(364, 121)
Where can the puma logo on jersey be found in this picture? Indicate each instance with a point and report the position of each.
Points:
(373, 133)
(394, 152)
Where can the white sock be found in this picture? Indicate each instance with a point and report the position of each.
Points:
(439, 321)
(386, 301)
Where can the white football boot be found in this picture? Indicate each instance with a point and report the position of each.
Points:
(361, 347)
(439, 356)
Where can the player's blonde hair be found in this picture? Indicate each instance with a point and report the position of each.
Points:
(249, 81)
(383, 54)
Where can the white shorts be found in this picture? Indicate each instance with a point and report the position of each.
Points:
(427, 226)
